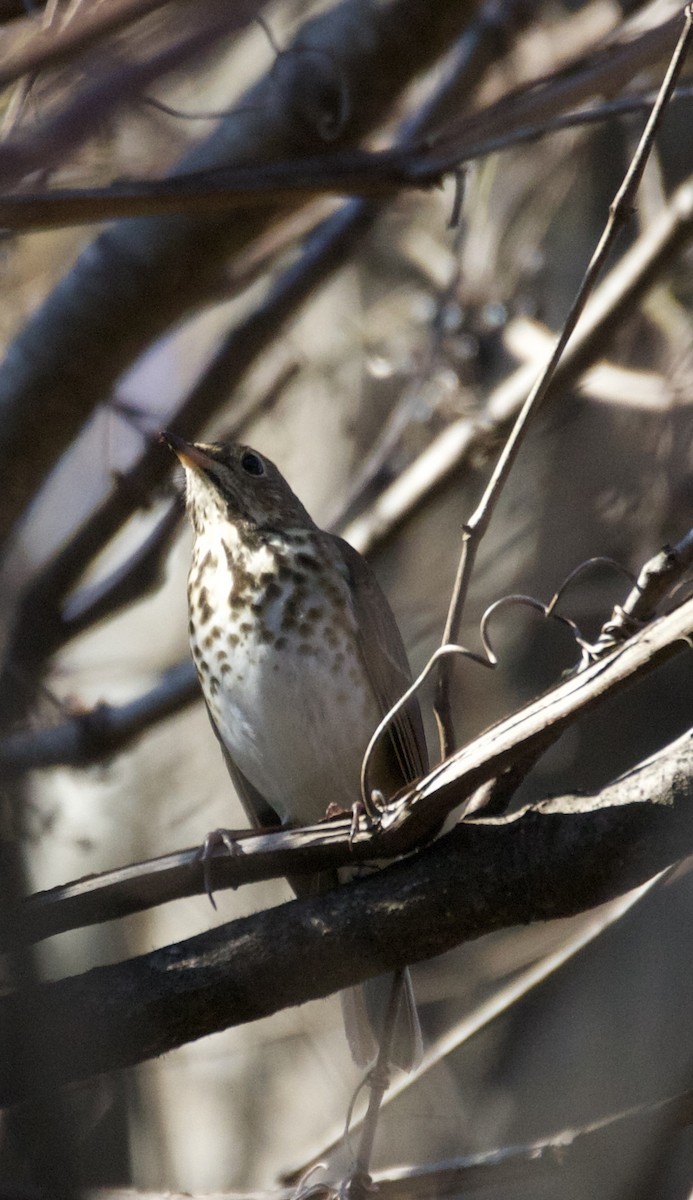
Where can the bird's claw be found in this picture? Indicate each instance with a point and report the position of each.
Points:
(215, 839)
(359, 816)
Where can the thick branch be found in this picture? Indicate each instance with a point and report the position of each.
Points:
(408, 822)
(484, 876)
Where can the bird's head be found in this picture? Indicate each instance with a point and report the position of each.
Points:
(231, 482)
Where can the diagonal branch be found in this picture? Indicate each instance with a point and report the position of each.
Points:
(406, 824)
(139, 277)
(515, 870)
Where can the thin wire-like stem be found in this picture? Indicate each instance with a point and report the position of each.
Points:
(366, 790)
(378, 1082)
(474, 529)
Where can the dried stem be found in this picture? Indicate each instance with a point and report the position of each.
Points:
(619, 212)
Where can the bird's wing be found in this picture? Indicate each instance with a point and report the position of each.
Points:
(402, 756)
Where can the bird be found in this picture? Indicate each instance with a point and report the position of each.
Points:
(299, 657)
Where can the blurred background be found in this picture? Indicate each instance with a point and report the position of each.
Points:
(375, 349)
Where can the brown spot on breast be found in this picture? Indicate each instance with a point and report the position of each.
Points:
(204, 606)
(280, 644)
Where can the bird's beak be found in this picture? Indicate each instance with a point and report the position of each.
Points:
(187, 453)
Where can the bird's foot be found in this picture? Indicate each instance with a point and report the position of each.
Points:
(361, 818)
(358, 1186)
(214, 840)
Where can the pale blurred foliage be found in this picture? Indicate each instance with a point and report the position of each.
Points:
(238, 1108)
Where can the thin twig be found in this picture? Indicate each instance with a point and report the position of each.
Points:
(378, 1083)
(324, 252)
(474, 529)
(49, 47)
(502, 1000)
(654, 584)
(376, 175)
(100, 733)
(612, 301)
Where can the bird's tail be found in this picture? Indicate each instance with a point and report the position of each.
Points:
(364, 1009)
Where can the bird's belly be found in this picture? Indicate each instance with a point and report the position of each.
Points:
(296, 726)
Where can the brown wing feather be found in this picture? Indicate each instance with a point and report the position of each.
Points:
(403, 756)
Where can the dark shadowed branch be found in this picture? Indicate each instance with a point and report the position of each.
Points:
(514, 870)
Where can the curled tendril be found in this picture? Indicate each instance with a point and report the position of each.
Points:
(546, 611)
(205, 114)
(372, 808)
(302, 1192)
(582, 569)
(327, 111)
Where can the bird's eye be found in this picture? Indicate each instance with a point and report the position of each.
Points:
(252, 463)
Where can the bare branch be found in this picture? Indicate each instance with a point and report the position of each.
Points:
(39, 47)
(109, 82)
(516, 869)
(477, 524)
(654, 584)
(98, 734)
(404, 825)
(325, 250)
(563, 1152)
(611, 302)
(501, 1000)
(104, 313)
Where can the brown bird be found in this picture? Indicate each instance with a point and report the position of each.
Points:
(299, 657)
